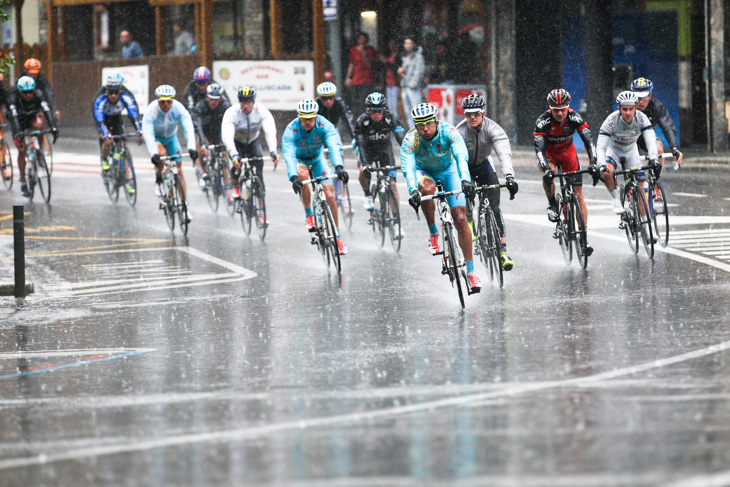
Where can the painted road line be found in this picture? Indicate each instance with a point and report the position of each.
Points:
(690, 195)
(364, 417)
(74, 352)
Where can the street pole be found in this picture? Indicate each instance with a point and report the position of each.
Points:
(19, 250)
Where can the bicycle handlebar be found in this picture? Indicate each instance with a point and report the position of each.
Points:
(440, 195)
(384, 168)
(122, 136)
(566, 174)
(318, 179)
(344, 147)
(665, 155)
(633, 170)
(170, 158)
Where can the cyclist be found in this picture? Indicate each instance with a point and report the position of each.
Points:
(159, 127)
(301, 146)
(195, 90)
(481, 135)
(658, 115)
(25, 105)
(33, 69)
(436, 151)
(207, 117)
(334, 108)
(108, 110)
(240, 130)
(617, 143)
(372, 132)
(554, 147)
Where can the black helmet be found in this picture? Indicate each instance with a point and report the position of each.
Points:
(558, 98)
(246, 93)
(375, 100)
(473, 102)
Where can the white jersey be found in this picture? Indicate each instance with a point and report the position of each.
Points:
(620, 138)
(237, 126)
(159, 125)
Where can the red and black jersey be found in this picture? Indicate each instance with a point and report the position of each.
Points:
(557, 137)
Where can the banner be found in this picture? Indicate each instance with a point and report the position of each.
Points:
(279, 85)
(136, 80)
(448, 99)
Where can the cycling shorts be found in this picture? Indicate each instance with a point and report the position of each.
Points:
(451, 181)
(566, 161)
(383, 159)
(172, 146)
(319, 166)
(630, 156)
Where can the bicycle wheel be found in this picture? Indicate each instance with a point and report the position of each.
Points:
(494, 245)
(258, 207)
(214, 190)
(333, 252)
(131, 181)
(377, 216)
(645, 226)
(392, 217)
(44, 177)
(344, 203)
(629, 219)
(452, 260)
(580, 237)
(7, 165)
(659, 213)
(246, 208)
(563, 231)
(319, 228)
(112, 181)
(48, 152)
(181, 205)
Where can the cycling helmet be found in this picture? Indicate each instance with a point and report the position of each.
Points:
(26, 83)
(424, 112)
(201, 75)
(627, 98)
(33, 66)
(642, 87)
(165, 92)
(473, 103)
(307, 108)
(246, 93)
(214, 91)
(113, 84)
(326, 89)
(375, 101)
(558, 98)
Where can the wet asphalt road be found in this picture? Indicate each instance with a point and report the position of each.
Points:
(145, 358)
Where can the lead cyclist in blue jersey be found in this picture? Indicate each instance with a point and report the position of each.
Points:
(301, 146)
(436, 151)
(159, 128)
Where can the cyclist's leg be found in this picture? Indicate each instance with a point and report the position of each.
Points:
(364, 181)
(457, 202)
(632, 161)
(427, 186)
(172, 147)
(392, 175)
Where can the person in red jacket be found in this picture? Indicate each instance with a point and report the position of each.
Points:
(360, 77)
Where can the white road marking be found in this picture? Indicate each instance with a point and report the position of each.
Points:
(717, 479)
(70, 353)
(239, 434)
(690, 195)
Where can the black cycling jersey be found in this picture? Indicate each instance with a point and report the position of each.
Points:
(192, 95)
(373, 139)
(21, 112)
(554, 136)
(207, 121)
(42, 83)
(659, 115)
(339, 110)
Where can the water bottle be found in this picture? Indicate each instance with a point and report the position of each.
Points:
(117, 157)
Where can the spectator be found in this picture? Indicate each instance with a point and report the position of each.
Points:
(360, 77)
(390, 69)
(130, 49)
(183, 40)
(412, 71)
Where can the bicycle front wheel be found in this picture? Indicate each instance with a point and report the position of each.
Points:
(344, 203)
(131, 181)
(580, 236)
(44, 176)
(393, 219)
(7, 169)
(631, 220)
(48, 152)
(494, 245)
(452, 260)
(259, 207)
(181, 205)
(659, 213)
(214, 185)
(563, 231)
(246, 208)
(645, 226)
(333, 252)
(111, 181)
(377, 216)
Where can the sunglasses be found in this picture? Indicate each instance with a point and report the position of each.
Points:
(472, 114)
(112, 92)
(375, 110)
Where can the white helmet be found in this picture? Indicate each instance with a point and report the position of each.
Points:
(424, 112)
(165, 92)
(326, 89)
(307, 108)
(627, 98)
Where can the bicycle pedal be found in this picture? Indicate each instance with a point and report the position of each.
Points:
(622, 225)
(312, 230)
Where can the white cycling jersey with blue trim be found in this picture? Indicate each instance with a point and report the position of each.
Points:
(298, 144)
(433, 156)
(157, 124)
(622, 136)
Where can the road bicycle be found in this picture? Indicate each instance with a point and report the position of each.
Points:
(571, 230)
(489, 240)
(252, 204)
(36, 168)
(658, 204)
(172, 198)
(215, 185)
(6, 171)
(636, 220)
(452, 263)
(385, 216)
(120, 164)
(325, 231)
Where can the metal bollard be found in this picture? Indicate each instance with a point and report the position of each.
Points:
(19, 250)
